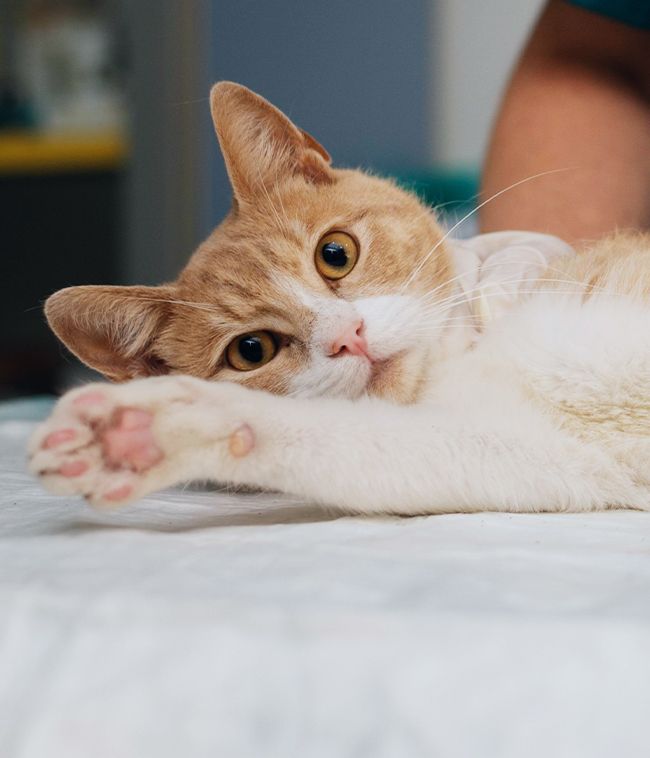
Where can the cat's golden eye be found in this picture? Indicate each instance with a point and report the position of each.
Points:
(336, 255)
(250, 351)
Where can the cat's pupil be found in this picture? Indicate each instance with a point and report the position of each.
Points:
(334, 255)
(251, 350)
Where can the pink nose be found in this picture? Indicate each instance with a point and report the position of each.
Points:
(350, 340)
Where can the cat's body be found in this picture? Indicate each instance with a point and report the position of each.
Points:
(368, 379)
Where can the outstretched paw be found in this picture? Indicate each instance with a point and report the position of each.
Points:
(96, 446)
(115, 443)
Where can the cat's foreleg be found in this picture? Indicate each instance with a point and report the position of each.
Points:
(116, 443)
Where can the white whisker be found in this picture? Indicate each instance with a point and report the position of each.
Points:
(461, 297)
(418, 268)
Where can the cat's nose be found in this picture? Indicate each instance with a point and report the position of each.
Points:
(351, 340)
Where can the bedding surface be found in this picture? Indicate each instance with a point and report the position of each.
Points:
(199, 623)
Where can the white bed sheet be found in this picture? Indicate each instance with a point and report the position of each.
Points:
(198, 624)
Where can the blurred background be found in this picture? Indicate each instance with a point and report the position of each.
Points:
(109, 170)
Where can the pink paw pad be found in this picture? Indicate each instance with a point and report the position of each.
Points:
(129, 442)
(119, 493)
(134, 418)
(94, 397)
(59, 437)
(73, 468)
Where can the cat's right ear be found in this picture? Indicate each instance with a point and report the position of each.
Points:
(261, 145)
(112, 329)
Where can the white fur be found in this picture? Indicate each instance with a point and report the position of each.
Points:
(393, 324)
(343, 376)
(549, 411)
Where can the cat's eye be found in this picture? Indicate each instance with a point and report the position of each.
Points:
(250, 351)
(337, 254)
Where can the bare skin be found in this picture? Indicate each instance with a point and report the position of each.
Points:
(579, 100)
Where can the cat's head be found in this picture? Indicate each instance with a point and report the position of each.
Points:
(316, 283)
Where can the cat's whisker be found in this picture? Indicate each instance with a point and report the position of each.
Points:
(571, 293)
(438, 206)
(469, 319)
(446, 236)
(458, 277)
(446, 323)
(445, 327)
(446, 316)
(436, 328)
(437, 310)
(483, 288)
(483, 268)
(496, 264)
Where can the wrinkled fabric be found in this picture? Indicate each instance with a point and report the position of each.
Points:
(202, 624)
(499, 269)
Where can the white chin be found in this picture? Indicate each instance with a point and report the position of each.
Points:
(346, 376)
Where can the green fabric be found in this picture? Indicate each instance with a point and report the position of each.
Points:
(447, 189)
(631, 12)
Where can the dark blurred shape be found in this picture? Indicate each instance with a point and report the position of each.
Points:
(15, 112)
(62, 160)
(48, 247)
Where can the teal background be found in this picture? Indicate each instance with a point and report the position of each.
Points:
(631, 12)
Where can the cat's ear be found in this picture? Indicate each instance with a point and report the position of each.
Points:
(260, 144)
(112, 329)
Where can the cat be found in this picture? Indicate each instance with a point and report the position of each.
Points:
(329, 341)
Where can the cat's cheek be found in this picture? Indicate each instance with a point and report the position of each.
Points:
(394, 324)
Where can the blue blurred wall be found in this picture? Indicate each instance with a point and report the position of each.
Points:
(354, 73)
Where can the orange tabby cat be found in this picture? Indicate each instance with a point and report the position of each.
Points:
(354, 365)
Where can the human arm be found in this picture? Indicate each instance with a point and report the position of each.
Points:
(579, 100)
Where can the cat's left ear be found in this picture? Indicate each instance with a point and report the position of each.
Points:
(114, 330)
(260, 144)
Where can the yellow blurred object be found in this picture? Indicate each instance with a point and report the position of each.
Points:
(33, 153)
